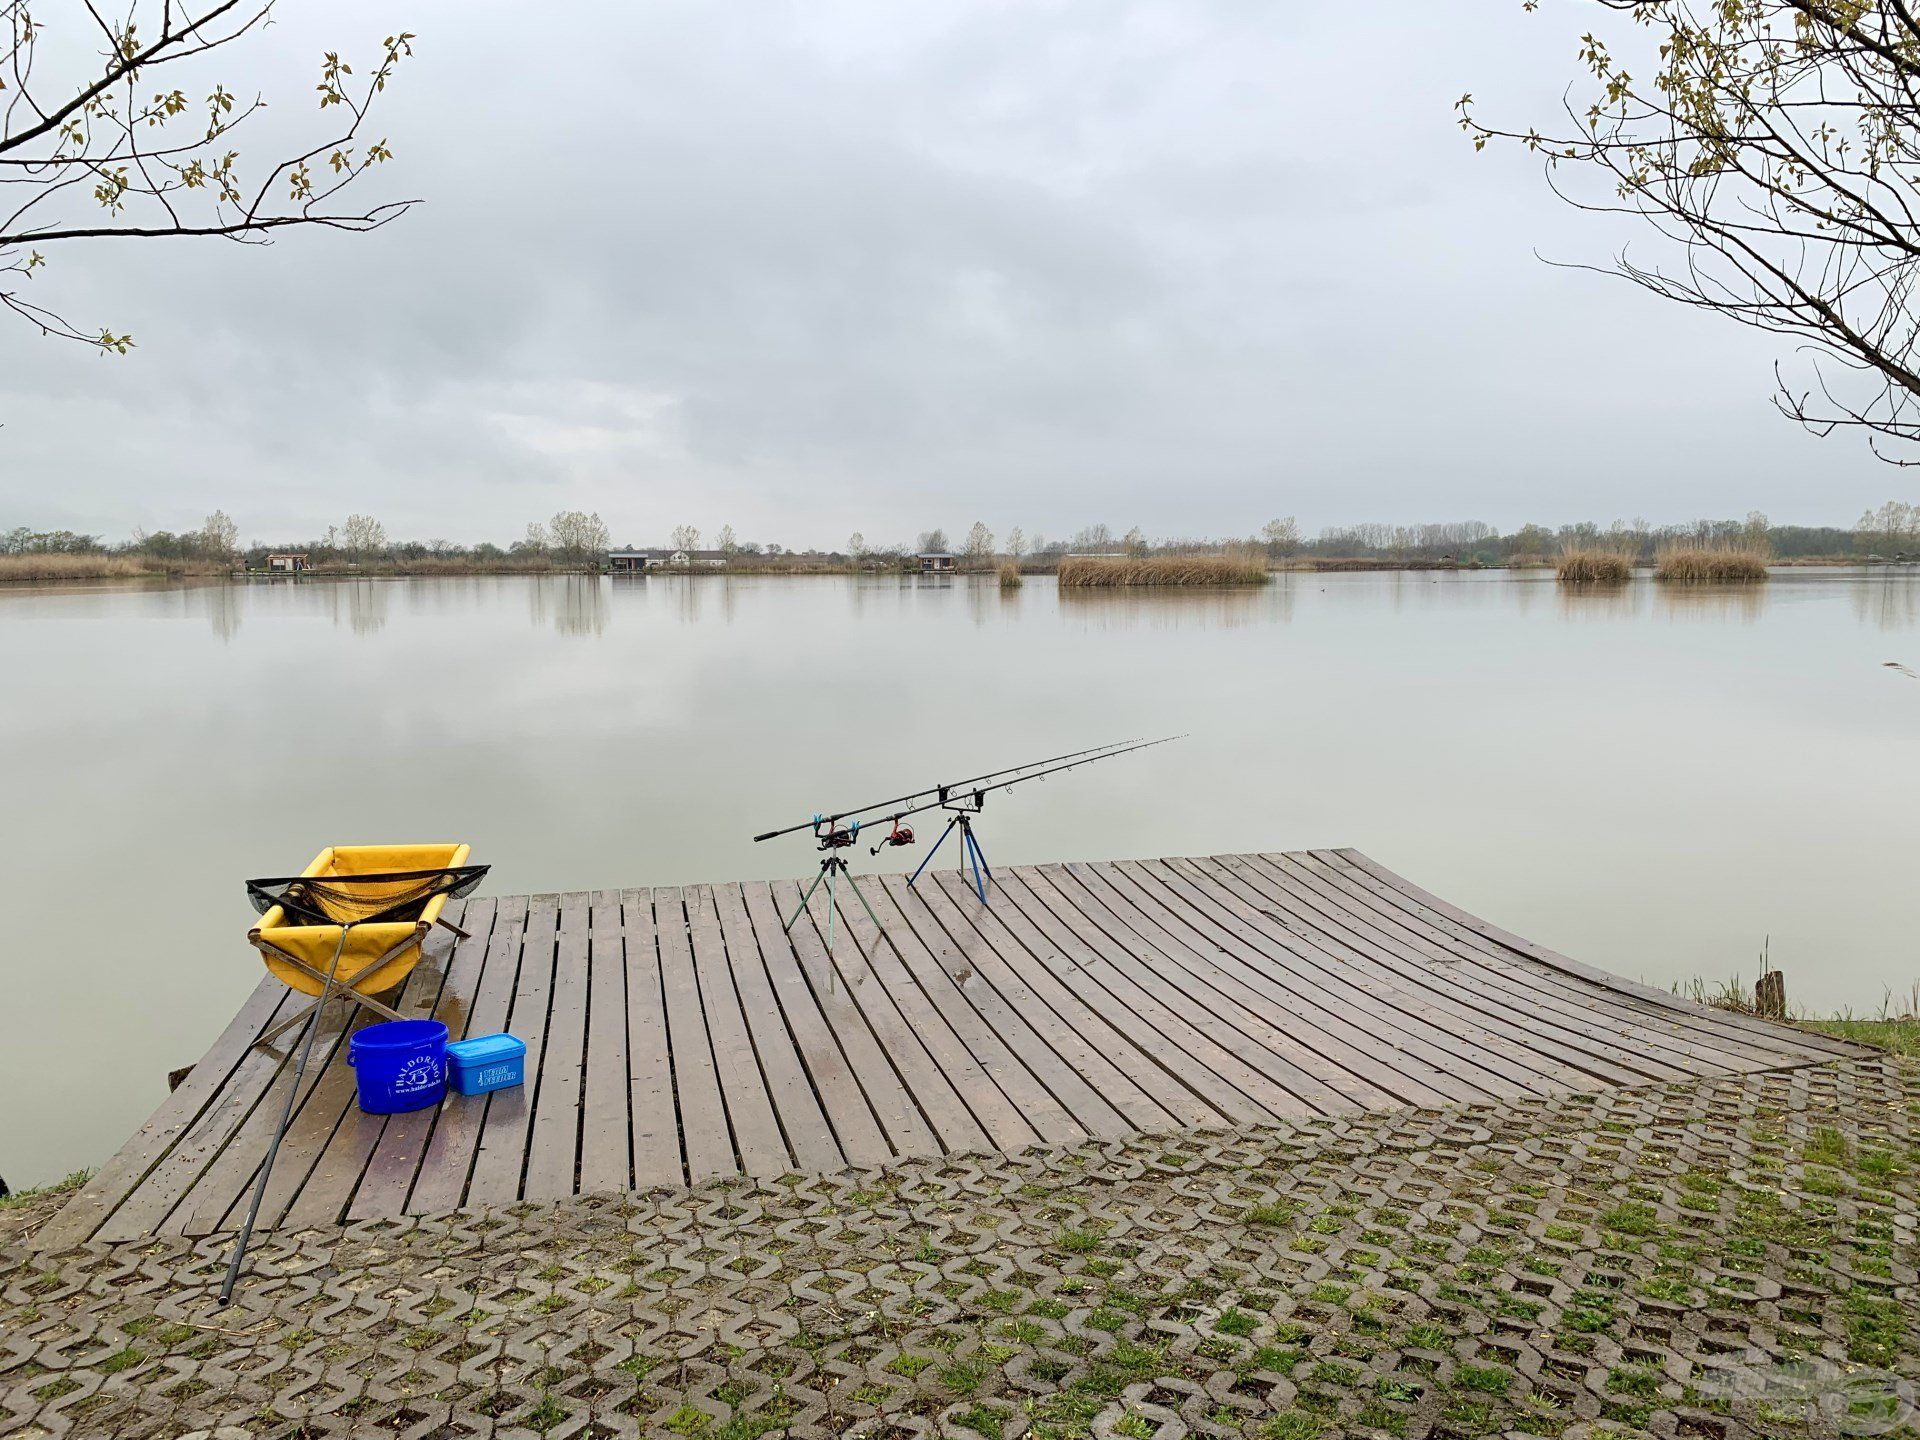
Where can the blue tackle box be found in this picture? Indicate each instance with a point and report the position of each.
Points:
(486, 1062)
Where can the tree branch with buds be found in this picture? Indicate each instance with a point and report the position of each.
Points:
(1773, 152)
(121, 148)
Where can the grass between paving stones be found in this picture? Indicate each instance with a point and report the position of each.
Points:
(1897, 1036)
(1531, 1268)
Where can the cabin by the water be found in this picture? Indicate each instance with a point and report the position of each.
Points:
(936, 561)
(630, 561)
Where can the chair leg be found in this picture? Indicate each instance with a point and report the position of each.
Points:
(353, 997)
(442, 920)
(344, 991)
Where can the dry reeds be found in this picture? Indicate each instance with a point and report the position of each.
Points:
(1721, 564)
(1592, 565)
(1094, 571)
(1010, 576)
(70, 567)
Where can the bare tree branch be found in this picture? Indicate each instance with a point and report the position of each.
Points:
(1775, 152)
(165, 166)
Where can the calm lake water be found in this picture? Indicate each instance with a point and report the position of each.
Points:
(1655, 783)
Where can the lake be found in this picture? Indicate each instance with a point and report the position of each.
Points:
(1660, 784)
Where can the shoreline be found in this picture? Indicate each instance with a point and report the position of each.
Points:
(1895, 1036)
(90, 573)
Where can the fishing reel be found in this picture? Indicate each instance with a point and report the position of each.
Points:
(829, 836)
(899, 835)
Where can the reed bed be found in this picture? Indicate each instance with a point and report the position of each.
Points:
(1094, 572)
(1010, 576)
(1592, 565)
(1720, 564)
(70, 567)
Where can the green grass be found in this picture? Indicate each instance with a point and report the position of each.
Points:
(1899, 1037)
(58, 1187)
(1280, 1212)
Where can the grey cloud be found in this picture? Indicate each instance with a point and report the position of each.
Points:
(871, 266)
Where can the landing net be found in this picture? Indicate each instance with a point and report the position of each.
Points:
(389, 897)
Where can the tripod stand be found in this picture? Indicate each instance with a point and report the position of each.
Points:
(832, 866)
(971, 853)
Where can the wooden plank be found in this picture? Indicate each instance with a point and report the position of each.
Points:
(403, 1142)
(1763, 1043)
(756, 1129)
(1276, 1080)
(1102, 1098)
(1249, 998)
(653, 1120)
(844, 1060)
(857, 1004)
(201, 1203)
(1055, 1098)
(889, 995)
(696, 1077)
(1614, 1045)
(1414, 1026)
(1339, 1018)
(1479, 1046)
(1239, 1093)
(864, 1018)
(442, 1179)
(1605, 1048)
(329, 1186)
(553, 1144)
(606, 1138)
(500, 1159)
(932, 984)
(1146, 1061)
(813, 1092)
(205, 1091)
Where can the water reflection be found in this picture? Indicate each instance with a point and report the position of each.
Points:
(572, 604)
(363, 603)
(1888, 602)
(1742, 603)
(1582, 603)
(983, 594)
(1528, 589)
(1154, 608)
(222, 605)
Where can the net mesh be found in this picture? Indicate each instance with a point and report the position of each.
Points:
(394, 896)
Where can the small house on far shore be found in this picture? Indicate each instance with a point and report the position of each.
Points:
(933, 562)
(628, 561)
(290, 562)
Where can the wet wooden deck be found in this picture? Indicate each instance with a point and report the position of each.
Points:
(675, 1035)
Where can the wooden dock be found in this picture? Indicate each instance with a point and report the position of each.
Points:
(676, 1035)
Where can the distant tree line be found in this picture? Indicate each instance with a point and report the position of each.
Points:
(576, 539)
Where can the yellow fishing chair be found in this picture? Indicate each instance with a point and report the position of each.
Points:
(361, 911)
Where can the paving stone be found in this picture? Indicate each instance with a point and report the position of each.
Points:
(1728, 1259)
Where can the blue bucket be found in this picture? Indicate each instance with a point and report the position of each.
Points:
(399, 1065)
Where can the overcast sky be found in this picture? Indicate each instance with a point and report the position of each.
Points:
(813, 268)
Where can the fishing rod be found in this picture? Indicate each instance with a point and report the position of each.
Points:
(977, 793)
(1097, 751)
(963, 799)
